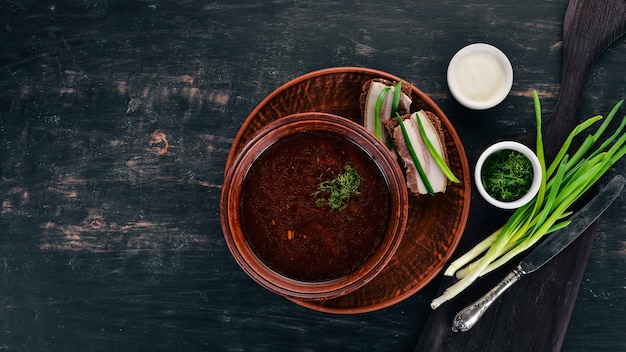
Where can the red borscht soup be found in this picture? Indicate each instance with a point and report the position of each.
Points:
(288, 221)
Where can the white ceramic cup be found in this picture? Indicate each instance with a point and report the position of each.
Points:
(480, 76)
(518, 147)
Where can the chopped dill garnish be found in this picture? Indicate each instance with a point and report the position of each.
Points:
(336, 192)
(507, 175)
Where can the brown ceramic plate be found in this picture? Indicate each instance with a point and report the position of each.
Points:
(435, 223)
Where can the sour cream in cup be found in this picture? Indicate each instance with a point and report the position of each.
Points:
(480, 76)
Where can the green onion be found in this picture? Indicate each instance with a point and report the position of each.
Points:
(379, 104)
(431, 149)
(562, 184)
(397, 91)
(416, 161)
(394, 109)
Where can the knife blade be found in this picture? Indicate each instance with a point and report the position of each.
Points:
(542, 254)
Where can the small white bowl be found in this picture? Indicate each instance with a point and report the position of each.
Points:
(518, 147)
(480, 76)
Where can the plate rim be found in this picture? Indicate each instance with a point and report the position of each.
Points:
(466, 183)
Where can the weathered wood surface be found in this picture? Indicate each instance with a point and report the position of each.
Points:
(116, 118)
(589, 27)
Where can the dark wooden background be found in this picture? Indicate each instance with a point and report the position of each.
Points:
(116, 118)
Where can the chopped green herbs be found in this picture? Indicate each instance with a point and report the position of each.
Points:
(336, 192)
(507, 175)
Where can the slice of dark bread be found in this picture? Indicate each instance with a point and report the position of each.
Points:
(391, 124)
(406, 89)
(393, 129)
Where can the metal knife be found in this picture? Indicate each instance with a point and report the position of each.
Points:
(547, 250)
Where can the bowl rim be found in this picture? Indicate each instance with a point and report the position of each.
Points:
(260, 141)
(518, 147)
(500, 57)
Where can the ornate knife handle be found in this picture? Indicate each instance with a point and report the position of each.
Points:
(469, 316)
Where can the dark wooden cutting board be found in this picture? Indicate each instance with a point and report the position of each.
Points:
(535, 314)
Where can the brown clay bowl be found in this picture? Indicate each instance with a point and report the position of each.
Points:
(435, 224)
(256, 237)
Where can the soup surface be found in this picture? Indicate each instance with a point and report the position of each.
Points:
(294, 232)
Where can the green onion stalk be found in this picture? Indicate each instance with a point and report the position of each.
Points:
(433, 152)
(563, 183)
(379, 104)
